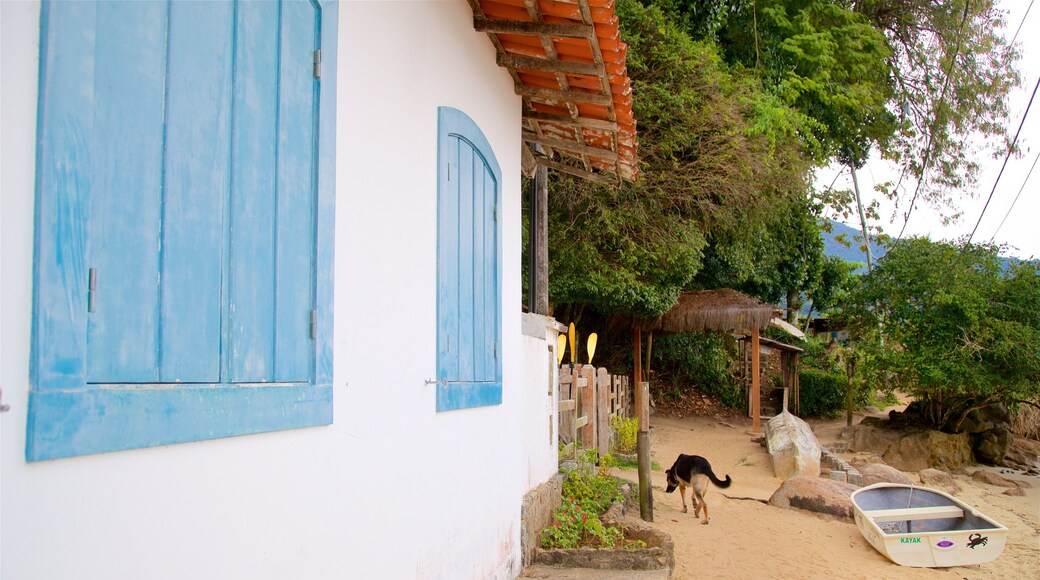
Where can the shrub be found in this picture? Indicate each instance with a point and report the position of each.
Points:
(586, 495)
(626, 429)
(822, 394)
(698, 359)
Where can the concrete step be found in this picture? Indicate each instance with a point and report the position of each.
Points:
(551, 573)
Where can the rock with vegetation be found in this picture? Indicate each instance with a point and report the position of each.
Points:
(815, 494)
(793, 448)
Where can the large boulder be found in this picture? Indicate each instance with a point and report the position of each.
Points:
(991, 446)
(1023, 454)
(938, 478)
(825, 496)
(914, 449)
(879, 472)
(793, 448)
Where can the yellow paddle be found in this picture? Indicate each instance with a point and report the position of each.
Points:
(592, 346)
(570, 336)
(561, 347)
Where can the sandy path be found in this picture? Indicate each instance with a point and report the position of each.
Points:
(749, 539)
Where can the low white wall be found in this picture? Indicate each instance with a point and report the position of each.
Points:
(392, 489)
(541, 381)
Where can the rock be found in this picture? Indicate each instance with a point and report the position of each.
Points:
(981, 420)
(915, 449)
(815, 494)
(793, 448)
(991, 446)
(1022, 453)
(1015, 491)
(988, 477)
(879, 472)
(937, 478)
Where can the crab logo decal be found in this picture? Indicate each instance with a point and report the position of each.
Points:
(977, 540)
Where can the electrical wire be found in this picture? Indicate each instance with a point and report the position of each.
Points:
(1011, 148)
(1021, 22)
(1024, 181)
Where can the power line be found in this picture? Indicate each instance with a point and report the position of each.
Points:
(931, 129)
(1024, 181)
(1021, 22)
(1011, 148)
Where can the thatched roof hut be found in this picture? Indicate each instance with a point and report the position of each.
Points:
(722, 310)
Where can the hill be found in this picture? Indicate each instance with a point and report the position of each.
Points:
(850, 250)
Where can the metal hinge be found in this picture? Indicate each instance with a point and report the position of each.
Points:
(317, 64)
(313, 330)
(91, 288)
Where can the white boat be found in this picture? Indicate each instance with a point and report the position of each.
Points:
(922, 527)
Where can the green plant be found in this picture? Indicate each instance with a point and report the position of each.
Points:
(626, 429)
(634, 464)
(822, 394)
(574, 526)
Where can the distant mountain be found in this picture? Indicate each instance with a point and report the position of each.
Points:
(849, 251)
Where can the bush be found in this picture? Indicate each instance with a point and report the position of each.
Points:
(626, 429)
(701, 360)
(822, 394)
(586, 495)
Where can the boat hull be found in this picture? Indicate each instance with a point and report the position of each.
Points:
(922, 527)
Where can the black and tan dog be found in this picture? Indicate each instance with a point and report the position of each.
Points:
(693, 471)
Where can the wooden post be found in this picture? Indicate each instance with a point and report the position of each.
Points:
(756, 396)
(642, 404)
(637, 367)
(540, 241)
(588, 407)
(646, 495)
(603, 426)
(850, 368)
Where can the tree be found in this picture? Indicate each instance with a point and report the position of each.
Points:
(717, 154)
(951, 70)
(959, 332)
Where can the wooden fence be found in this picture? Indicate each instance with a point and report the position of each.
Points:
(589, 397)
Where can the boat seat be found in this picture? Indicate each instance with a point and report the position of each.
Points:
(918, 513)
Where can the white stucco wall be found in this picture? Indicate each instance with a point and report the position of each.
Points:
(392, 489)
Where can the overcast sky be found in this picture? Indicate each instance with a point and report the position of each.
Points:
(1021, 229)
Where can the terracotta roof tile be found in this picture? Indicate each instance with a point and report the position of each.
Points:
(567, 60)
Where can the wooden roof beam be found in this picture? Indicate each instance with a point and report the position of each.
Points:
(499, 26)
(573, 121)
(577, 171)
(553, 66)
(563, 96)
(572, 146)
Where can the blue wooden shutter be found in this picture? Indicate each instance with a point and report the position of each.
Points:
(200, 233)
(469, 368)
(143, 177)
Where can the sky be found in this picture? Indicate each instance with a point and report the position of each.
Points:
(1021, 228)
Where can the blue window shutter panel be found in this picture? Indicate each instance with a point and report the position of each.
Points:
(469, 287)
(125, 203)
(253, 196)
(66, 126)
(296, 194)
(198, 124)
(158, 142)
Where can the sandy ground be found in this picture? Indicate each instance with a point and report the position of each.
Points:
(749, 539)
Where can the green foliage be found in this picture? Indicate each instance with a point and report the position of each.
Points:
(626, 429)
(586, 495)
(574, 526)
(822, 394)
(701, 360)
(717, 152)
(957, 330)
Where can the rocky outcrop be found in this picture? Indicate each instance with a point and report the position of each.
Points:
(991, 446)
(912, 450)
(815, 494)
(793, 448)
(990, 478)
(1023, 454)
(879, 472)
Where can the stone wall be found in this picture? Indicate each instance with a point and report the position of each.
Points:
(536, 513)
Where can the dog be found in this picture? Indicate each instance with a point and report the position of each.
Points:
(693, 471)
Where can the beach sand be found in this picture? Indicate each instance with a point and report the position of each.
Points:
(750, 539)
